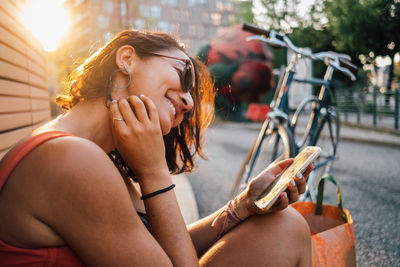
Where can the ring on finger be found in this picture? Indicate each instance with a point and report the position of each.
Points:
(118, 119)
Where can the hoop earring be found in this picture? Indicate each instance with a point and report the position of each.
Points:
(111, 79)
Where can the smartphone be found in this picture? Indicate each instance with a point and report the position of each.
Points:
(274, 189)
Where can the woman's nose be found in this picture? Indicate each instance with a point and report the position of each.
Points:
(187, 101)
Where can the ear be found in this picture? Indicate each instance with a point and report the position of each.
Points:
(125, 58)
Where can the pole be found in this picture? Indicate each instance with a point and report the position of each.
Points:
(374, 106)
(396, 108)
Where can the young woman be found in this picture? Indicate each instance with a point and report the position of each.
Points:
(136, 111)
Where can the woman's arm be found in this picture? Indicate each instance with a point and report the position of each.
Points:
(139, 140)
(207, 231)
(86, 202)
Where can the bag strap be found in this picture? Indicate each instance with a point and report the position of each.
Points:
(320, 196)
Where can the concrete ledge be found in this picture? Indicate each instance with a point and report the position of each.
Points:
(186, 200)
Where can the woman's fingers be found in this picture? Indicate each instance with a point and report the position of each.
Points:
(308, 170)
(139, 108)
(150, 107)
(127, 112)
(281, 203)
(301, 183)
(280, 166)
(115, 114)
(301, 179)
(293, 191)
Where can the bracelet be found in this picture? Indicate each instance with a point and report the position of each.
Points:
(157, 192)
(231, 214)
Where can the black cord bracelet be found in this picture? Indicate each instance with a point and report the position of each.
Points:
(157, 192)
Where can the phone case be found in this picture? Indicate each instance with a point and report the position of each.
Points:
(272, 192)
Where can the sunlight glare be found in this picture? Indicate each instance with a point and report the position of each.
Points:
(47, 20)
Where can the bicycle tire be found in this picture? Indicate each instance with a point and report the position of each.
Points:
(302, 121)
(284, 140)
(327, 137)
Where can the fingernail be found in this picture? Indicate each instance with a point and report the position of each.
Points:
(299, 175)
(292, 183)
(284, 194)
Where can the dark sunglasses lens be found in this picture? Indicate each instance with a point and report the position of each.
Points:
(188, 80)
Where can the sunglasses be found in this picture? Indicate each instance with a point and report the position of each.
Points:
(187, 75)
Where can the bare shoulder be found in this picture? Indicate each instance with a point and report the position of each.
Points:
(75, 167)
(76, 191)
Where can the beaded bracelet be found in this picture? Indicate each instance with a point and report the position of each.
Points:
(157, 192)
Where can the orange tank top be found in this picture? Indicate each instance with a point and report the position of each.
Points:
(52, 256)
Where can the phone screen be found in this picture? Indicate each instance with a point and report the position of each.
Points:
(274, 189)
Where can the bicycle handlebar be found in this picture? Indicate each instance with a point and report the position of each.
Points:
(340, 62)
(348, 65)
(254, 29)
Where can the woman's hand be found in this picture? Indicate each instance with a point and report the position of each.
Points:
(245, 200)
(137, 135)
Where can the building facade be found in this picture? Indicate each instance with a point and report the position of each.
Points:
(195, 22)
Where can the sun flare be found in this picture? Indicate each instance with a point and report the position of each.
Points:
(47, 20)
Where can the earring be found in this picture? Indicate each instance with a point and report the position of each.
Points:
(111, 79)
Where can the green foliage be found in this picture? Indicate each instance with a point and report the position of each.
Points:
(280, 15)
(365, 27)
(245, 13)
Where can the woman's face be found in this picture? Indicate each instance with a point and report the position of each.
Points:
(159, 78)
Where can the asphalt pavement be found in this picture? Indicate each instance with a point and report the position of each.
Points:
(192, 203)
(348, 132)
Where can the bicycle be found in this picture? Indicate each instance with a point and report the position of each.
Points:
(280, 137)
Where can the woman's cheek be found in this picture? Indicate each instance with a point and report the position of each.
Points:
(165, 123)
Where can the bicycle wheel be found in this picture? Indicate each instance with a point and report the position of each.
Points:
(302, 121)
(327, 137)
(278, 144)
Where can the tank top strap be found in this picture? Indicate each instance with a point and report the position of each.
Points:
(24, 149)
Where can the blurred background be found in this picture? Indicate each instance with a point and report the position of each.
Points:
(64, 32)
(42, 41)
(68, 31)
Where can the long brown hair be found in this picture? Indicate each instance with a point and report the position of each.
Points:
(91, 80)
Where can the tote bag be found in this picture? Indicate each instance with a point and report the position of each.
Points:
(331, 228)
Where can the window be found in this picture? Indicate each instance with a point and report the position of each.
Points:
(216, 18)
(220, 6)
(150, 11)
(163, 26)
(103, 21)
(140, 24)
(108, 6)
(169, 2)
(224, 6)
(155, 12)
(144, 11)
(123, 9)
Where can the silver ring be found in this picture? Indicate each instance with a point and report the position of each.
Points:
(118, 119)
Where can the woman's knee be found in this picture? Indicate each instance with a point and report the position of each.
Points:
(287, 225)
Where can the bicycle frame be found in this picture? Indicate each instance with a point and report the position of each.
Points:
(279, 114)
(280, 111)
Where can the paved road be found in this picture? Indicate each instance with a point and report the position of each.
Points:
(368, 175)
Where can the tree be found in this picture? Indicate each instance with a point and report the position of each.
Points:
(244, 11)
(365, 27)
(280, 15)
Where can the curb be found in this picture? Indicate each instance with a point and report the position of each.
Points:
(353, 133)
(370, 142)
(186, 199)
